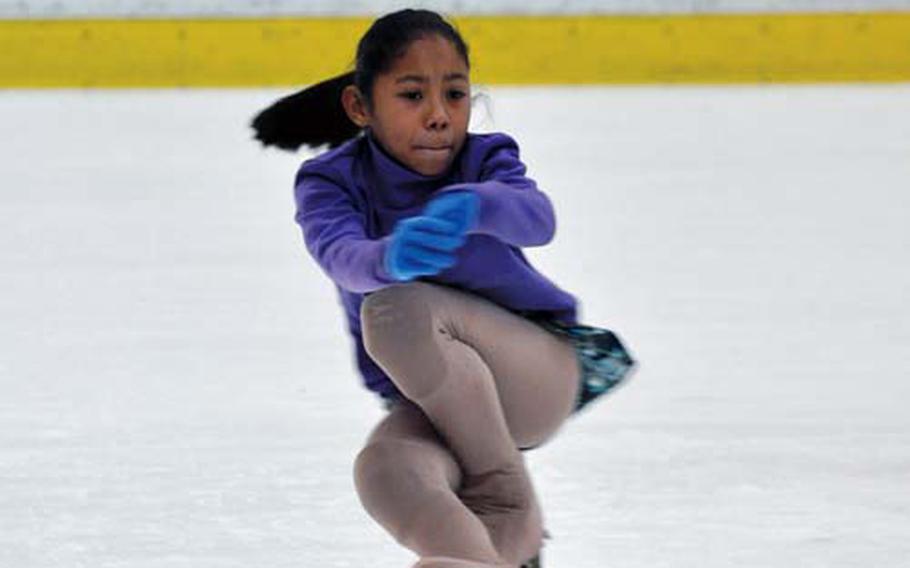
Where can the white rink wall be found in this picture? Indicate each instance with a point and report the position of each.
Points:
(50, 9)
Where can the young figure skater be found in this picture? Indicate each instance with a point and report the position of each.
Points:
(476, 354)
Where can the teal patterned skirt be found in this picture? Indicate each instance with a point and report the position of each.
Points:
(604, 361)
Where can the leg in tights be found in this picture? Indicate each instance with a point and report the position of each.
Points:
(489, 382)
(406, 478)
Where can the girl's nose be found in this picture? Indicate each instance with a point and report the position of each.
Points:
(438, 118)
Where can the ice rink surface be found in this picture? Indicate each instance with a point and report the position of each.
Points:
(177, 388)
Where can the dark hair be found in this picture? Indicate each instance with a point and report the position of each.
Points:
(315, 116)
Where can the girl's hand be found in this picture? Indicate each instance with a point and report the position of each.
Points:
(422, 246)
(460, 207)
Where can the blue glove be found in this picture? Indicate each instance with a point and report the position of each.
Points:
(459, 207)
(421, 246)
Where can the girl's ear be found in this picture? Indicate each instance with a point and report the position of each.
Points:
(355, 106)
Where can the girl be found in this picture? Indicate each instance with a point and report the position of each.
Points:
(476, 354)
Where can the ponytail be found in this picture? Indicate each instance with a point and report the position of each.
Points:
(312, 117)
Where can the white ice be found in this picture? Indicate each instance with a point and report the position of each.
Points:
(177, 388)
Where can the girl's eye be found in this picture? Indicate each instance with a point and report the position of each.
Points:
(457, 94)
(411, 95)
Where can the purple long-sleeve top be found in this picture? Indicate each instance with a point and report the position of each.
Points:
(350, 198)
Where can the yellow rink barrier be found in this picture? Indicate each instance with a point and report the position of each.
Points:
(703, 48)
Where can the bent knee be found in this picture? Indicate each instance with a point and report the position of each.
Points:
(402, 481)
(393, 466)
(395, 478)
(395, 315)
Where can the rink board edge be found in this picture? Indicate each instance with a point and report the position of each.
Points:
(615, 49)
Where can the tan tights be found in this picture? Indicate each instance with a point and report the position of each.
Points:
(442, 472)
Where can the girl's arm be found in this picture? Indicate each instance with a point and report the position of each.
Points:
(512, 209)
(333, 230)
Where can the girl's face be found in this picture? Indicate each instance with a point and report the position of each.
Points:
(421, 106)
